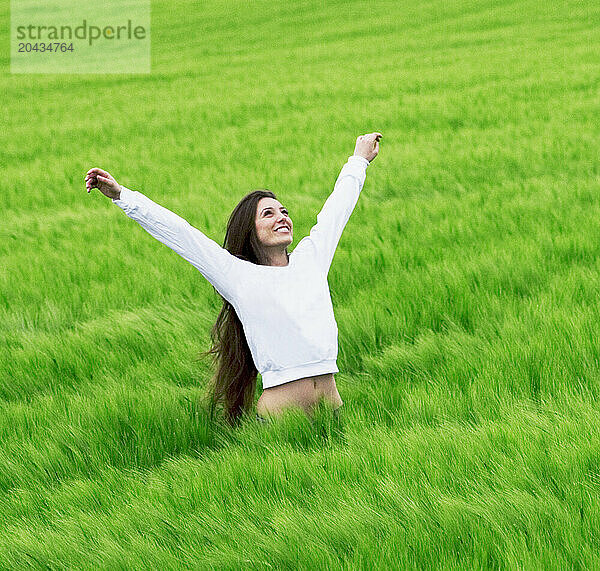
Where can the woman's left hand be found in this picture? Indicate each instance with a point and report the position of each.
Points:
(367, 146)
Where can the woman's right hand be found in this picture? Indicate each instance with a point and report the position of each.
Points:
(367, 146)
(104, 182)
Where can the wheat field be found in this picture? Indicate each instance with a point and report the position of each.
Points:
(465, 287)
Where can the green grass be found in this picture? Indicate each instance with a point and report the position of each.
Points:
(465, 287)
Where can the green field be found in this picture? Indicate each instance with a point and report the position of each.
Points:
(466, 290)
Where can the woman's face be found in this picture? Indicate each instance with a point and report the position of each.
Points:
(270, 216)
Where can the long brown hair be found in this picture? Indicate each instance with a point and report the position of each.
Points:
(234, 381)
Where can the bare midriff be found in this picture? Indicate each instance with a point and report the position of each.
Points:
(305, 393)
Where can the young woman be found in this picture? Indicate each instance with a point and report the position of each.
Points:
(277, 316)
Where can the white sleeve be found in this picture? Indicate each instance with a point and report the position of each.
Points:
(326, 233)
(215, 263)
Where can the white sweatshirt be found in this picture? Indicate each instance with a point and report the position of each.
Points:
(286, 311)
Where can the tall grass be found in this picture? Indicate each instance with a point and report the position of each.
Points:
(465, 288)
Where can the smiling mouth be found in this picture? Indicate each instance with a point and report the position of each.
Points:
(283, 230)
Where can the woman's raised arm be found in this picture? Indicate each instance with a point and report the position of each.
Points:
(333, 217)
(215, 263)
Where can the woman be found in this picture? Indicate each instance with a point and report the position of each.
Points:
(277, 317)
